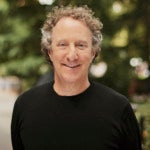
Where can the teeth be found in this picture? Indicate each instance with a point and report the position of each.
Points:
(71, 66)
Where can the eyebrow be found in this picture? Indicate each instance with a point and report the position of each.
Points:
(78, 41)
(82, 42)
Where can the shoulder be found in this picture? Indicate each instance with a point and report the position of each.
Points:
(34, 94)
(37, 90)
(111, 101)
(105, 90)
(109, 95)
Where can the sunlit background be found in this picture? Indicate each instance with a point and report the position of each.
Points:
(123, 63)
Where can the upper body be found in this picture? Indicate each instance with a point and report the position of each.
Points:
(73, 113)
(98, 119)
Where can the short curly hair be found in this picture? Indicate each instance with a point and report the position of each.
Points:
(83, 14)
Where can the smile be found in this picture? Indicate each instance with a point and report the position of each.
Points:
(71, 66)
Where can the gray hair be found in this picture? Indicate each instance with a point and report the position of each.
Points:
(83, 14)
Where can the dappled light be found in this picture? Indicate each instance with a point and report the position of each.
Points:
(122, 64)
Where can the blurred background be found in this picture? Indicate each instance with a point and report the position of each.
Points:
(123, 63)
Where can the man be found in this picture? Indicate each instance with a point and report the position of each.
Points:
(73, 113)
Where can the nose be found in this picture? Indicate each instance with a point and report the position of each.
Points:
(72, 53)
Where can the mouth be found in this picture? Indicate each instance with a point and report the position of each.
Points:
(71, 66)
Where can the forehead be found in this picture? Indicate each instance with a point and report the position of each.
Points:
(69, 27)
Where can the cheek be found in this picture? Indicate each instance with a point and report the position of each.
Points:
(88, 59)
(91, 57)
(55, 58)
(52, 56)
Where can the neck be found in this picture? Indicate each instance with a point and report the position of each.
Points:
(70, 89)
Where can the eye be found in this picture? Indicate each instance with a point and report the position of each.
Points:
(62, 44)
(82, 46)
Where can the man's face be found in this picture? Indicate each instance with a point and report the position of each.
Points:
(71, 50)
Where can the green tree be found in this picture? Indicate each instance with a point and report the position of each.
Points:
(125, 35)
(20, 39)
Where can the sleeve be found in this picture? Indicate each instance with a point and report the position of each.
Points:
(131, 132)
(15, 128)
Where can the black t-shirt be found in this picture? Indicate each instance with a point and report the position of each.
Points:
(97, 119)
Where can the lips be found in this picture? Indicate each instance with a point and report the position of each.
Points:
(71, 66)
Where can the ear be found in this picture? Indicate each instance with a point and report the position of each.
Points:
(49, 52)
(94, 54)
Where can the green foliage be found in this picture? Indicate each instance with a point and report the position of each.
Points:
(125, 36)
(125, 33)
(143, 110)
(20, 39)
